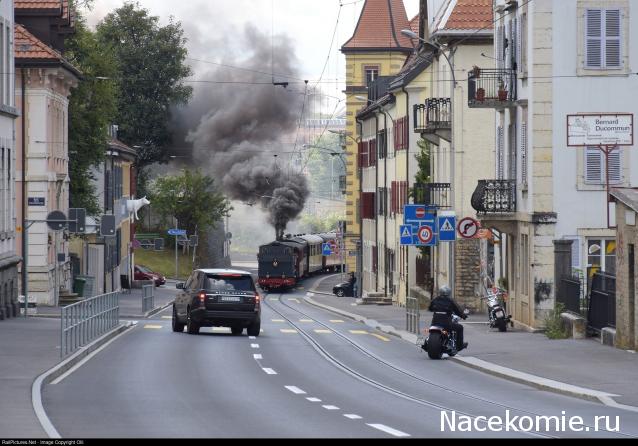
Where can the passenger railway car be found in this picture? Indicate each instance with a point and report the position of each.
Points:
(284, 262)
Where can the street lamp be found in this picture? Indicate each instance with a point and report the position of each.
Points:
(412, 35)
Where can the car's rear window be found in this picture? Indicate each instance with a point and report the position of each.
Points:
(222, 283)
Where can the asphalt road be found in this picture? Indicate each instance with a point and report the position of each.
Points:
(309, 374)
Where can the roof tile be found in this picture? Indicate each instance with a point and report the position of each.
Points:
(471, 14)
(380, 26)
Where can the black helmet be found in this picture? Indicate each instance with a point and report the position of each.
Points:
(445, 290)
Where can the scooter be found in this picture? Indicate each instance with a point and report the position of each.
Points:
(441, 340)
(496, 310)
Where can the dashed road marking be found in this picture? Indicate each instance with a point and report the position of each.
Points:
(278, 320)
(154, 327)
(254, 345)
(323, 331)
(329, 407)
(306, 320)
(269, 371)
(295, 390)
(288, 330)
(257, 356)
(388, 430)
(313, 400)
(300, 288)
(292, 299)
(383, 338)
(336, 321)
(361, 332)
(167, 317)
(221, 329)
(352, 416)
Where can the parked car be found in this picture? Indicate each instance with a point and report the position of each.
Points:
(144, 273)
(218, 298)
(343, 289)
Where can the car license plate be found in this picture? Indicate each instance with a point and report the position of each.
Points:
(231, 299)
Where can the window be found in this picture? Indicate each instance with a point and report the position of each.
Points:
(401, 129)
(372, 73)
(595, 166)
(382, 144)
(382, 205)
(601, 256)
(603, 28)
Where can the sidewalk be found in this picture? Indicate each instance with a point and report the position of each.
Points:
(596, 370)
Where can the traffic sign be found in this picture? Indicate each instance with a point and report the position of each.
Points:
(447, 226)
(418, 212)
(406, 235)
(425, 236)
(177, 232)
(326, 249)
(56, 220)
(468, 227)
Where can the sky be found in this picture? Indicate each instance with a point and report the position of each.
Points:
(211, 26)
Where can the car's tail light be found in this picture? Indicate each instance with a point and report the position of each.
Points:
(202, 297)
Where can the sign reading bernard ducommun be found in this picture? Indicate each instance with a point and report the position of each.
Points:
(613, 129)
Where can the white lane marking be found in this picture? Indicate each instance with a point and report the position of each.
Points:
(167, 317)
(321, 331)
(269, 371)
(329, 407)
(252, 338)
(352, 416)
(153, 327)
(336, 321)
(278, 320)
(221, 329)
(254, 345)
(287, 330)
(257, 356)
(295, 390)
(306, 320)
(388, 430)
(314, 400)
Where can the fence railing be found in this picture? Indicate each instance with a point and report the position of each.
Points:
(434, 114)
(85, 321)
(495, 197)
(432, 194)
(570, 294)
(491, 87)
(148, 298)
(602, 302)
(412, 315)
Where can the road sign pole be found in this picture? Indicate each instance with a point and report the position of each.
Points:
(176, 259)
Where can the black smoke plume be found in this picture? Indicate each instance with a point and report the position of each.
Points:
(238, 129)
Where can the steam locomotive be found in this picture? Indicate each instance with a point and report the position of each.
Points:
(283, 263)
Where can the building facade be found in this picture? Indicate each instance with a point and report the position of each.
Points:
(541, 189)
(44, 79)
(9, 260)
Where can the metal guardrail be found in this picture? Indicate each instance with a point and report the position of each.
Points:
(85, 321)
(148, 298)
(412, 315)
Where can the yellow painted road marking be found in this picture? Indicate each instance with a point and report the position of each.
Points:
(383, 338)
(278, 320)
(306, 320)
(286, 330)
(323, 331)
(154, 327)
(336, 321)
(358, 332)
(167, 317)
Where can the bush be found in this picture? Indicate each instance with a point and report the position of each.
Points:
(554, 328)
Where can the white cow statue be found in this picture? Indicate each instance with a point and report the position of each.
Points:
(132, 206)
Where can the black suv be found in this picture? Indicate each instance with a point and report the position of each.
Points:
(218, 298)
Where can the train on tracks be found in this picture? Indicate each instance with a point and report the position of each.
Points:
(283, 263)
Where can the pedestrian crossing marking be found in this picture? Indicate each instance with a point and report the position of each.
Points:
(358, 332)
(336, 321)
(383, 338)
(153, 327)
(278, 320)
(306, 320)
(287, 330)
(323, 331)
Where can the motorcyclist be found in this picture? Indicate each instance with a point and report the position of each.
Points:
(443, 306)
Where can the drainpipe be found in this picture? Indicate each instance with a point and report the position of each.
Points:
(385, 204)
(360, 248)
(376, 193)
(25, 253)
(407, 177)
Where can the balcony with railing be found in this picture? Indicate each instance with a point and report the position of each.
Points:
(491, 88)
(495, 197)
(432, 194)
(434, 117)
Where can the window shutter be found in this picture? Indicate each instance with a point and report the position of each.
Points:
(513, 43)
(576, 253)
(499, 47)
(615, 167)
(523, 43)
(594, 38)
(519, 44)
(593, 165)
(500, 168)
(524, 153)
(612, 39)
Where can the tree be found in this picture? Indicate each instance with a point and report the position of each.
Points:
(152, 69)
(92, 108)
(191, 198)
(423, 160)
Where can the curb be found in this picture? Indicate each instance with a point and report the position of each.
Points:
(63, 367)
(490, 368)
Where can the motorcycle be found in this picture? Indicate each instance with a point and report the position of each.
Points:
(496, 310)
(441, 340)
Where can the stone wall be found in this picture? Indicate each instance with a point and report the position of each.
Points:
(468, 274)
(626, 322)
